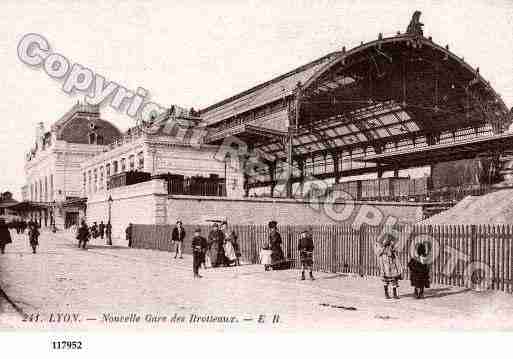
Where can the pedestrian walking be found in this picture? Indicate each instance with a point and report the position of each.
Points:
(101, 228)
(33, 235)
(177, 237)
(389, 266)
(199, 247)
(94, 230)
(277, 256)
(305, 247)
(419, 271)
(128, 234)
(17, 226)
(83, 235)
(5, 235)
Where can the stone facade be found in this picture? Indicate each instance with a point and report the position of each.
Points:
(138, 203)
(52, 166)
(158, 153)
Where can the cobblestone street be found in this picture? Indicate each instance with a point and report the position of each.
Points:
(62, 279)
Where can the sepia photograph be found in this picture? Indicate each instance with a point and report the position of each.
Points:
(255, 167)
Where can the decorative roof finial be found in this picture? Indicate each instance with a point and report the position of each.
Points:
(415, 26)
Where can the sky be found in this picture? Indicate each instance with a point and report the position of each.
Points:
(195, 53)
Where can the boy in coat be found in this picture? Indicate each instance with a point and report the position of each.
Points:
(199, 246)
(177, 238)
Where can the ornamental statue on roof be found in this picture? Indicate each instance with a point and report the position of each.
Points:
(415, 26)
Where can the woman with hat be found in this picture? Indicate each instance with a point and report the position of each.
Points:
(275, 241)
(216, 246)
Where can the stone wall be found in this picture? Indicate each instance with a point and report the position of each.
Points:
(139, 203)
(196, 210)
(149, 203)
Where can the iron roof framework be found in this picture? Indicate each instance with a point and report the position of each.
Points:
(393, 94)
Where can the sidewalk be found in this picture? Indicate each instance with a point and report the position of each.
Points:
(105, 282)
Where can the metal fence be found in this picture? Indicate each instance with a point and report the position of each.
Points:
(465, 256)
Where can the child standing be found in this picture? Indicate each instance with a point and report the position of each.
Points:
(419, 271)
(305, 247)
(389, 266)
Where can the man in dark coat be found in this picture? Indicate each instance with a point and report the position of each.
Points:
(216, 242)
(199, 247)
(128, 234)
(277, 256)
(83, 235)
(5, 236)
(102, 229)
(177, 238)
(305, 247)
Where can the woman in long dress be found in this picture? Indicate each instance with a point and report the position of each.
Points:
(275, 242)
(216, 246)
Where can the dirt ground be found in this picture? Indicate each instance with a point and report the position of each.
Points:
(63, 287)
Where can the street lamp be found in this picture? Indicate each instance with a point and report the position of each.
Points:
(52, 218)
(109, 224)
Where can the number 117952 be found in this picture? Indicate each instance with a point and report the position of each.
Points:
(66, 345)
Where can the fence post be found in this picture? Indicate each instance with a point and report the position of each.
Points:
(361, 235)
(473, 250)
(333, 239)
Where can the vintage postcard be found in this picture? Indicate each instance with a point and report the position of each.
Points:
(255, 166)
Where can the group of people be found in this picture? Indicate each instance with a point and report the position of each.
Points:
(5, 235)
(220, 249)
(386, 253)
(84, 233)
(20, 225)
(100, 230)
(391, 270)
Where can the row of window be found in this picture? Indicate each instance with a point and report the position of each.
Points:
(96, 179)
(42, 190)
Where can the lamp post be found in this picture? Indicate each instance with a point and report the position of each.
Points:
(109, 234)
(52, 218)
(225, 179)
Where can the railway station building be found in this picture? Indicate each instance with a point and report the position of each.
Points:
(346, 119)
